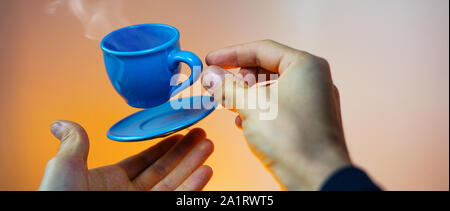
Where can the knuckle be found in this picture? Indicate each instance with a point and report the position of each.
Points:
(315, 63)
(53, 162)
(66, 161)
(160, 169)
(58, 159)
(140, 185)
(165, 185)
(75, 132)
(268, 41)
(322, 63)
(177, 150)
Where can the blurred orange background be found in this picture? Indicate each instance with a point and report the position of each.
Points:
(389, 59)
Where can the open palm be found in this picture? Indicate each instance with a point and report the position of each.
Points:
(173, 164)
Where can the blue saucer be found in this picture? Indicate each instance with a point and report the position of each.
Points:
(162, 120)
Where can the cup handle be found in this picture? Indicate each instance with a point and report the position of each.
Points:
(194, 63)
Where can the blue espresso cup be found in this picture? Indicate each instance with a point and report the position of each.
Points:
(143, 63)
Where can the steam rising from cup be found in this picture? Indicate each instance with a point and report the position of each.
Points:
(98, 17)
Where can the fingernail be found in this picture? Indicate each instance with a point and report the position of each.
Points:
(213, 78)
(56, 129)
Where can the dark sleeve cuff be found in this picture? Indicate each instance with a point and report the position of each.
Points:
(349, 179)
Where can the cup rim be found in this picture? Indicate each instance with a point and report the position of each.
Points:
(145, 51)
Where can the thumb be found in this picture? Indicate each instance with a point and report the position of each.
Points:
(74, 139)
(226, 88)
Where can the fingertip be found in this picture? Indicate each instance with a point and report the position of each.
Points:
(203, 174)
(207, 146)
(174, 138)
(208, 171)
(197, 132)
(208, 58)
(213, 78)
(73, 137)
(59, 127)
(56, 128)
(238, 122)
(213, 57)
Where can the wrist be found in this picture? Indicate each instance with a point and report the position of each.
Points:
(309, 170)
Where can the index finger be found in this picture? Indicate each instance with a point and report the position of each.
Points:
(267, 54)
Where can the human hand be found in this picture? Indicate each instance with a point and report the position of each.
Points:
(173, 164)
(305, 143)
